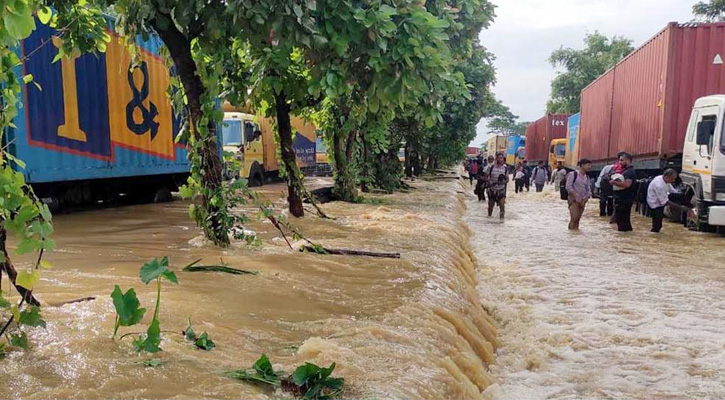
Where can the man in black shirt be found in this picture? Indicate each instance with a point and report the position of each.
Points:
(624, 194)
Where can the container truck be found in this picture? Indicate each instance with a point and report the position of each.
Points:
(557, 153)
(251, 139)
(664, 105)
(514, 145)
(98, 126)
(540, 134)
(496, 144)
(571, 156)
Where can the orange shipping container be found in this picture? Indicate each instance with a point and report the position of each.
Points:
(539, 135)
(643, 104)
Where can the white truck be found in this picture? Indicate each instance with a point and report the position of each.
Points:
(703, 163)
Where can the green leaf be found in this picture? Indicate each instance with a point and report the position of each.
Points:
(19, 340)
(152, 341)
(31, 317)
(153, 269)
(18, 25)
(304, 373)
(261, 372)
(44, 15)
(3, 303)
(170, 276)
(27, 279)
(204, 343)
(27, 78)
(2, 351)
(127, 308)
(189, 332)
(152, 363)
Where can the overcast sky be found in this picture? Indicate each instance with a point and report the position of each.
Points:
(525, 33)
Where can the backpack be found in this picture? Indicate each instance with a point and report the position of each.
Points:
(562, 187)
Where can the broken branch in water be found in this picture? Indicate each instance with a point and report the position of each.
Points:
(344, 252)
(219, 268)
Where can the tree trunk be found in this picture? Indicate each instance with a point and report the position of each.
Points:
(210, 163)
(366, 180)
(408, 160)
(289, 159)
(7, 266)
(343, 150)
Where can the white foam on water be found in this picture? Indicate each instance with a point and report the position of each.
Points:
(598, 314)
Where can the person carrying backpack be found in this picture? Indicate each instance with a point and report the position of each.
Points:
(579, 191)
(606, 193)
(540, 176)
(497, 178)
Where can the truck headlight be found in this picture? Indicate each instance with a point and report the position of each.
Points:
(720, 197)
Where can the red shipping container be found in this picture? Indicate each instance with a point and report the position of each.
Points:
(539, 135)
(643, 104)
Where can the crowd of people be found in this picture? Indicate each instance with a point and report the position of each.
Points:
(616, 186)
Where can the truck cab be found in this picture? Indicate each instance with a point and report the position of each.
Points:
(703, 161)
(242, 139)
(557, 153)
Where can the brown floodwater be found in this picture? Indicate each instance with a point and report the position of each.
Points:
(397, 328)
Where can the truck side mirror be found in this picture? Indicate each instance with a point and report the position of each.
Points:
(705, 130)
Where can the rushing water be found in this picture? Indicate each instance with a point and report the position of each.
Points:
(408, 328)
(597, 314)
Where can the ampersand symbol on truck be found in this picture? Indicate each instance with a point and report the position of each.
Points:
(148, 115)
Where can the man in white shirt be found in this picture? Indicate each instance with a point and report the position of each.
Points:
(658, 196)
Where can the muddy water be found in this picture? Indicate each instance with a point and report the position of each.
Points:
(409, 328)
(598, 314)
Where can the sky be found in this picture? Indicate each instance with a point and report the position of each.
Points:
(525, 32)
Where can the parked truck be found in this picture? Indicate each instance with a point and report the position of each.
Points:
(98, 126)
(496, 144)
(571, 156)
(664, 105)
(250, 138)
(514, 149)
(540, 134)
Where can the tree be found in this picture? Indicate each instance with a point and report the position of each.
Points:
(191, 31)
(271, 68)
(711, 11)
(582, 67)
(22, 214)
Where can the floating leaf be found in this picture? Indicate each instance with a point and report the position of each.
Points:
(46, 265)
(204, 343)
(152, 363)
(261, 372)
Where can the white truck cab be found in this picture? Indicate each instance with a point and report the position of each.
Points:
(703, 160)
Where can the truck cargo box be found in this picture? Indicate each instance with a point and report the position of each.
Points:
(539, 135)
(94, 117)
(643, 104)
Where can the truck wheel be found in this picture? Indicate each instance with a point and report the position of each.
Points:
(162, 195)
(256, 177)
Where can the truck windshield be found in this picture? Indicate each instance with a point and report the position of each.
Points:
(232, 132)
(560, 150)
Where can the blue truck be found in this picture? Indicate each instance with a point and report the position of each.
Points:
(98, 126)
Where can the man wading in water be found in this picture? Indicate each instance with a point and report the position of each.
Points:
(497, 178)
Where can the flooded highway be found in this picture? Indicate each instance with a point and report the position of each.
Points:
(405, 328)
(475, 308)
(597, 314)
